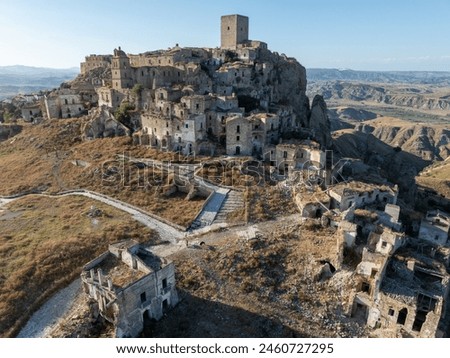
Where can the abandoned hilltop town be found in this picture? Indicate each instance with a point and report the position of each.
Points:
(243, 101)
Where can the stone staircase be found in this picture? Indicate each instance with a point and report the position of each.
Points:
(232, 202)
(209, 212)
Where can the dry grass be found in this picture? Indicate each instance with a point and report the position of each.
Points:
(42, 157)
(43, 248)
(227, 172)
(268, 202)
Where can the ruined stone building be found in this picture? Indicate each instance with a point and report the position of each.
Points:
(129, 284)
(237, 99)
(95, 61)
(401, 284)
(64, 103)
(31, 112)
(435, 227)
(358, 194)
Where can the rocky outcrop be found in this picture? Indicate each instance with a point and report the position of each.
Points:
(103, 125)
(319, 122)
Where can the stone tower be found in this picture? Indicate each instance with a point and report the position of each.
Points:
(233, 31)
(122, 75)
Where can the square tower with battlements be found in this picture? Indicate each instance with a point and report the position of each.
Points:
(233, 31)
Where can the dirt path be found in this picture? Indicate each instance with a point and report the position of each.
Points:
(43, 320)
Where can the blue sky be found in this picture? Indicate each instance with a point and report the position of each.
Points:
(362, 35)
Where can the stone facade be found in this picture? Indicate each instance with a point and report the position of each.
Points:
(129, 284)
(31, 112)
(95, 61)
(233, 30)
(64, 103)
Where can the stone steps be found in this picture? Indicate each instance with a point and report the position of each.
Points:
(232, 202)
(209, 212)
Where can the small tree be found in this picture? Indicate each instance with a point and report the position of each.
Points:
(137, 89)
(122, 113)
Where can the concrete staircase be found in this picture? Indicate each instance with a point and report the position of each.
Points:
(232, 202)
(209, 212)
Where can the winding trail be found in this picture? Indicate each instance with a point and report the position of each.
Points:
(41, 322)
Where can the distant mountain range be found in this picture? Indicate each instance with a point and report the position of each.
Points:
(416, 77)
(25, 79)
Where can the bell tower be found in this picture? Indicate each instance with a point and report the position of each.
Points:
(121, 70)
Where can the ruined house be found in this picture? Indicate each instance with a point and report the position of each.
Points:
(64, 103)
(129, 284)
(413, 296)
(435, 227)
(347, 194)
(31, 112)
(95, 61)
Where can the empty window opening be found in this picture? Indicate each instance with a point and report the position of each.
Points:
(373, 273)
(285, 154)
(164, 283)
(143, 297)
(391, 312)
(402, 314)
(238, 150)
(383, 244)
(165, 305)
(421, 316)
(425, 303)
(365, 287)
(238, 138)
(238, 129)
